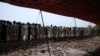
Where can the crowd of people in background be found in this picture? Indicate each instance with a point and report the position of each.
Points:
(17, 31)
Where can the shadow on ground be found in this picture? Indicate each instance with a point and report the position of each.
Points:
(94, 53)
(6, 47)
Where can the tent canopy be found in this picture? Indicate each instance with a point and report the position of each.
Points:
(88, 10)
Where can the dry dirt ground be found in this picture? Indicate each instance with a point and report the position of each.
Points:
(64, 48)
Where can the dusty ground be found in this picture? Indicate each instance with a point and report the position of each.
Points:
(65, 48)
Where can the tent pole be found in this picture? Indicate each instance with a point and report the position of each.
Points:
(75, 21)
(75, 26)
(47, 39)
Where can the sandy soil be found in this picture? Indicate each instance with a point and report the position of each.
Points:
(65, 48)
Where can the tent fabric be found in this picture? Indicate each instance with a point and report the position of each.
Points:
(88, 10)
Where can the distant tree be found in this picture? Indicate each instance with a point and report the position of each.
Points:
(97, 26)
(89, 26)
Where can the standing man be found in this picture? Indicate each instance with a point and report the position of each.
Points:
(4, 30)
(29, 30)
(19, 31)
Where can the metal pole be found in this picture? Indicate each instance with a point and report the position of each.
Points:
(75, 26)
(47, 39)
(75, 21)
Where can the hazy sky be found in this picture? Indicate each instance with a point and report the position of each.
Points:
(11, 13)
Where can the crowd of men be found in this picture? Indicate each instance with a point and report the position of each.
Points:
(17, 31)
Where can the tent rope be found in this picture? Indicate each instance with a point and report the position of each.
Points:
(47, 39)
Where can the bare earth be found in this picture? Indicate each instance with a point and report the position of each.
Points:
(65, 48)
